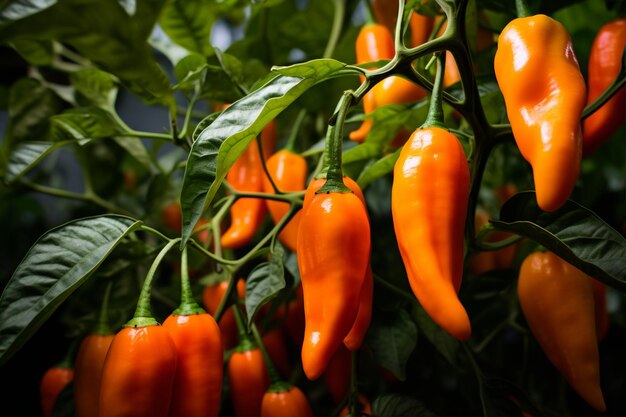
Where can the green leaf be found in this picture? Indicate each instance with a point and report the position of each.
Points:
(398, 405)
(189, 71)
(447, 345)
(27, 155)
(264, 283)
(392, 337)
(54, 267)
(389, 119)
(20, 9)
(378, 169)
(221, 143)
(162, 43)
(361, 152)
(35, 52)
(130, 6)
(189, 24)
(97, 87)
(136, 148)
(573, 232)
(84, 124)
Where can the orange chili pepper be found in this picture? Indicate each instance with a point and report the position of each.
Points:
(212, 297)
(248, 379)
(54, 380)
(88, 373)
(289, 402)
(276, 346)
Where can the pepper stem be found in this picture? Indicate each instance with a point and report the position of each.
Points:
(68, 360)
(334, 174)
(435, 110)
(354, 404)
(188, 305)
(293, 135)
(143, 314)
(245, 343)
(102, 325)
(277, 384)
(522, 8)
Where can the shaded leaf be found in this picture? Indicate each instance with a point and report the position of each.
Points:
(54, 267)
(378, 169)
(189, 71)
(221, 143)
(84, 124)
(130, 6)
(136, 148)
(264, 283)
(398, 405)
(20, 9)
(189, 24)
(96, 86)
(447, 345)
(35, 52)
(392, 337)
(573, 232)
(27, 155)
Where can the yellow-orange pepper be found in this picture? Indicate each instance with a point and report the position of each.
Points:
(545, 94)
(557, 301)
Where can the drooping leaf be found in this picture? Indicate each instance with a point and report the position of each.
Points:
(264, 283)
(203, 124)
(35, 52)
(221, 143)
(392, 337)
(162, 43)
(96, 86)
(447, 345)
(189, 24)
(19, 9)
(378, 169)
(55, 266)
(84, 124)
(189, 71)
(573, 232)
(27, 155)
(136, 148)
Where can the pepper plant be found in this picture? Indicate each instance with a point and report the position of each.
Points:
(400, 300)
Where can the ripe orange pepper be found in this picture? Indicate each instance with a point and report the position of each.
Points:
(605, 61)
(248, 379)
(421, 28)
(429, 202)
(211, 298)
(197, 387)
(557, 301)
(333, 257)
(138, 374)
(385, 12)
(88, 373)
(490, 260)
(247, 174)
(54, 380)
(288, 171)
(289, 402)
(544, 107)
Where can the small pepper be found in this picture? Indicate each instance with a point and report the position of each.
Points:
(54, 380)
(288, 402)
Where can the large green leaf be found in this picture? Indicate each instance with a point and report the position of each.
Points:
(83, 124)
(380, 168)
(27, 155)
(220, 144)
(95, 86)
(392, 337)
(55, 266)
(19, 9)
(573, 232)
(35, 52)
(189, 23)
(264, 283)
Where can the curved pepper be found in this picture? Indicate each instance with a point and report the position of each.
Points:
(54, 380)
(88, 373)
(197, 387)
(545, 94)
(138, 373)
(249, 380)
(605, 61)
(247, 174)
(429, 203)
(288, 171)
(291, 402)
(333, 256)
(557, 301)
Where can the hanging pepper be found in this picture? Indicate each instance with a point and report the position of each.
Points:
(140, 366)
(288, 171)
(429, 199)
(289, 401)
(557, 301)
(54, 380)
(90, 362)
(197, 390)
(276, 345)
(212, 297)
(544, 106)
(605, 62)
(247, 174)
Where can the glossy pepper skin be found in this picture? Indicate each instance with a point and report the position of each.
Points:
(88, 373)
(544, 106)
(605, 61)
(211, 297)
(557, 301)
(197, 387)
(138, 374)
(333, 257)
(288, 171)
(291, 402)
(247, 174)
(429, 203)
(249, 380)
(54, 380)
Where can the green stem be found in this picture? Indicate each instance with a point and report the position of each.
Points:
(293, 135)
(369, 13)
(245, 342)
(606, 95)
(490, 246)
(102, 325)
(522, 8)
(143, 314)
(148, 135)
(399, 44)
(354, 404)
(435, 110)
(275, 379)
(479, 376)
(259, 145)
(155, 232)
(334, 175)
(68, 359)
(294, 197)
(204, 251)
(192, 103)
(188, 305)
(216, 222)
(399, 291)
(69, 54)
(335, 31)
